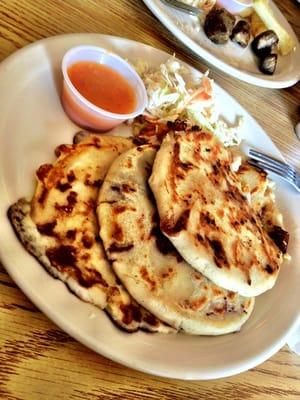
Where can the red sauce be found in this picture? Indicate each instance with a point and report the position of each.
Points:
(103, 86)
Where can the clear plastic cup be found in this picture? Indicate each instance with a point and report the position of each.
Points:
(79, 109)
(236, 6)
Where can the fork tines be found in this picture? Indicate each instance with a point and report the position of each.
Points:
(276, 170)
(286, 171)
(272, 162)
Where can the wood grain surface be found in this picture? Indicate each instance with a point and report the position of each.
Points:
(38, 360)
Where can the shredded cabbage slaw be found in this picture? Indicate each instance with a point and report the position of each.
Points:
(174, 94)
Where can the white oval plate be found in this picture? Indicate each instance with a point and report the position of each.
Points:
(32, 124)
(229, 58)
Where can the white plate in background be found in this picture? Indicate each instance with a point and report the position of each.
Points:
(230, 57)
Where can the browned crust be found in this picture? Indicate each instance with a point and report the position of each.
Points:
(16, 214)
(214, 163)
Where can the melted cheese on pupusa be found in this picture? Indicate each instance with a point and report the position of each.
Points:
(63, 212)
(147, 263)
(207, 216)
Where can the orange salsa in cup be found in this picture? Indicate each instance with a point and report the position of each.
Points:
(103, 86)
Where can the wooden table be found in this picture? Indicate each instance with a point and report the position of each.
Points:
(38, 360)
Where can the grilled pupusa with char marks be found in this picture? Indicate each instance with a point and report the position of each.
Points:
(148, 264)
(59, 227)
(208, 217)
(260, 191)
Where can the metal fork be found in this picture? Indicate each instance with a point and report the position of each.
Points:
(279, 168)
(180, 6)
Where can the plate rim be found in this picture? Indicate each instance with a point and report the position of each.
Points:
(52, 315)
